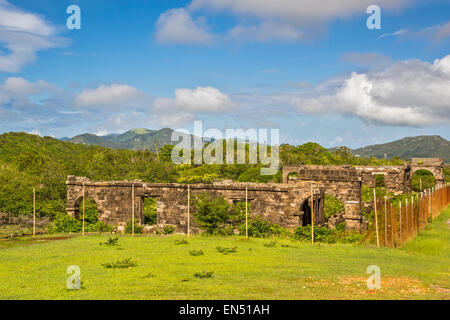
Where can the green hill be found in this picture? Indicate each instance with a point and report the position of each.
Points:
(406, 148)
(136, 139)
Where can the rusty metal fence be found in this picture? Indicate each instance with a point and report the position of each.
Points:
(397, 221)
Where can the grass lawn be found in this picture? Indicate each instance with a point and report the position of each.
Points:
(37, 269)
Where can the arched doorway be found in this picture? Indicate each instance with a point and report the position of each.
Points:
(305, 216)
(422, 180)
(91, 212)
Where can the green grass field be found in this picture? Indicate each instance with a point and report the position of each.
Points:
(37, 269)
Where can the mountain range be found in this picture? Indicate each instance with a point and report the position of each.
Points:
(136, 139)
(406, 148)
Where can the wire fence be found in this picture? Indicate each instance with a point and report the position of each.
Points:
(397, 221)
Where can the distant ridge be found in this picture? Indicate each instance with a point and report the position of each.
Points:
(136, 139)
(406, 148)
(141, 138)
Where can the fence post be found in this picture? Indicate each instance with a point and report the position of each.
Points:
(429, 205)
(385, 222)
(188, 210)
(246, 212)
(132, 209)
(400, 220)
(412, 214)
(406, 219)
(84, 210)
(376, 218)
(34, 212)
(312, 215)
(392, 225)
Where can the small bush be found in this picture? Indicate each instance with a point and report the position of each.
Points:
(168, 230)
(196, 253)
(121, 264)
(67, 224)
(204, 274)
(225, 250)
(137, 228)
(180, 242)
(340, 227)
(321, 234)
(149, 275)
(259, 228)
(111, 241)
(270, 244)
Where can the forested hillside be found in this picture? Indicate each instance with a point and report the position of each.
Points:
(409, 147)
(28, 161)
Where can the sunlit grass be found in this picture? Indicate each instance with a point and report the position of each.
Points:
(286, 270)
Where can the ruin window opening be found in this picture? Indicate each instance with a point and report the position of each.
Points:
(149, 205)
(379, 181)
(91, 214)
(422, 180)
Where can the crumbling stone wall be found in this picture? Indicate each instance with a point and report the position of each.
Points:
(397, 179)
(434, 165)
(277, 203)
(342, 182)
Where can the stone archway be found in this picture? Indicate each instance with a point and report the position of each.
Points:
(434, 165)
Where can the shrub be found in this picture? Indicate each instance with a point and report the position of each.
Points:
(270, 244)
(196, 252)
(225, 250)
(182, 241)
(137, 228)
(332, 206)
(321, 234)
(67, 224)
(168, 229)
(211, 213)
(204, 274)
(150, 211)
(111, 241)
(340, 226)
(259, 228)
(121, 264)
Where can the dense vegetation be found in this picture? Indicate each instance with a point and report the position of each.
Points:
(28, 161)
(406, 148)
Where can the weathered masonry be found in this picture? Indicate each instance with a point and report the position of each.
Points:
(396, 178)
(342, 182)
(286, 205)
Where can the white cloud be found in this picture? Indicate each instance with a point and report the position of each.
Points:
(22, 35)
(393, 34)
(371, 60)
(187, 104)
(112, 96)
(296, 11)
(409, 93)
(176, 26)
(19, 91)
(203, 99)
(35, 132)
(267, 31)
(261, 21)
(442, 32)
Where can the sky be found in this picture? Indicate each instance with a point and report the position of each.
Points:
(312, 69)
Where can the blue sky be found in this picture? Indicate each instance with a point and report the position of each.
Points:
(310, 68)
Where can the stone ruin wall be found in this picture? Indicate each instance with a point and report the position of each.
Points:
(343, 183)
(277, 203)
